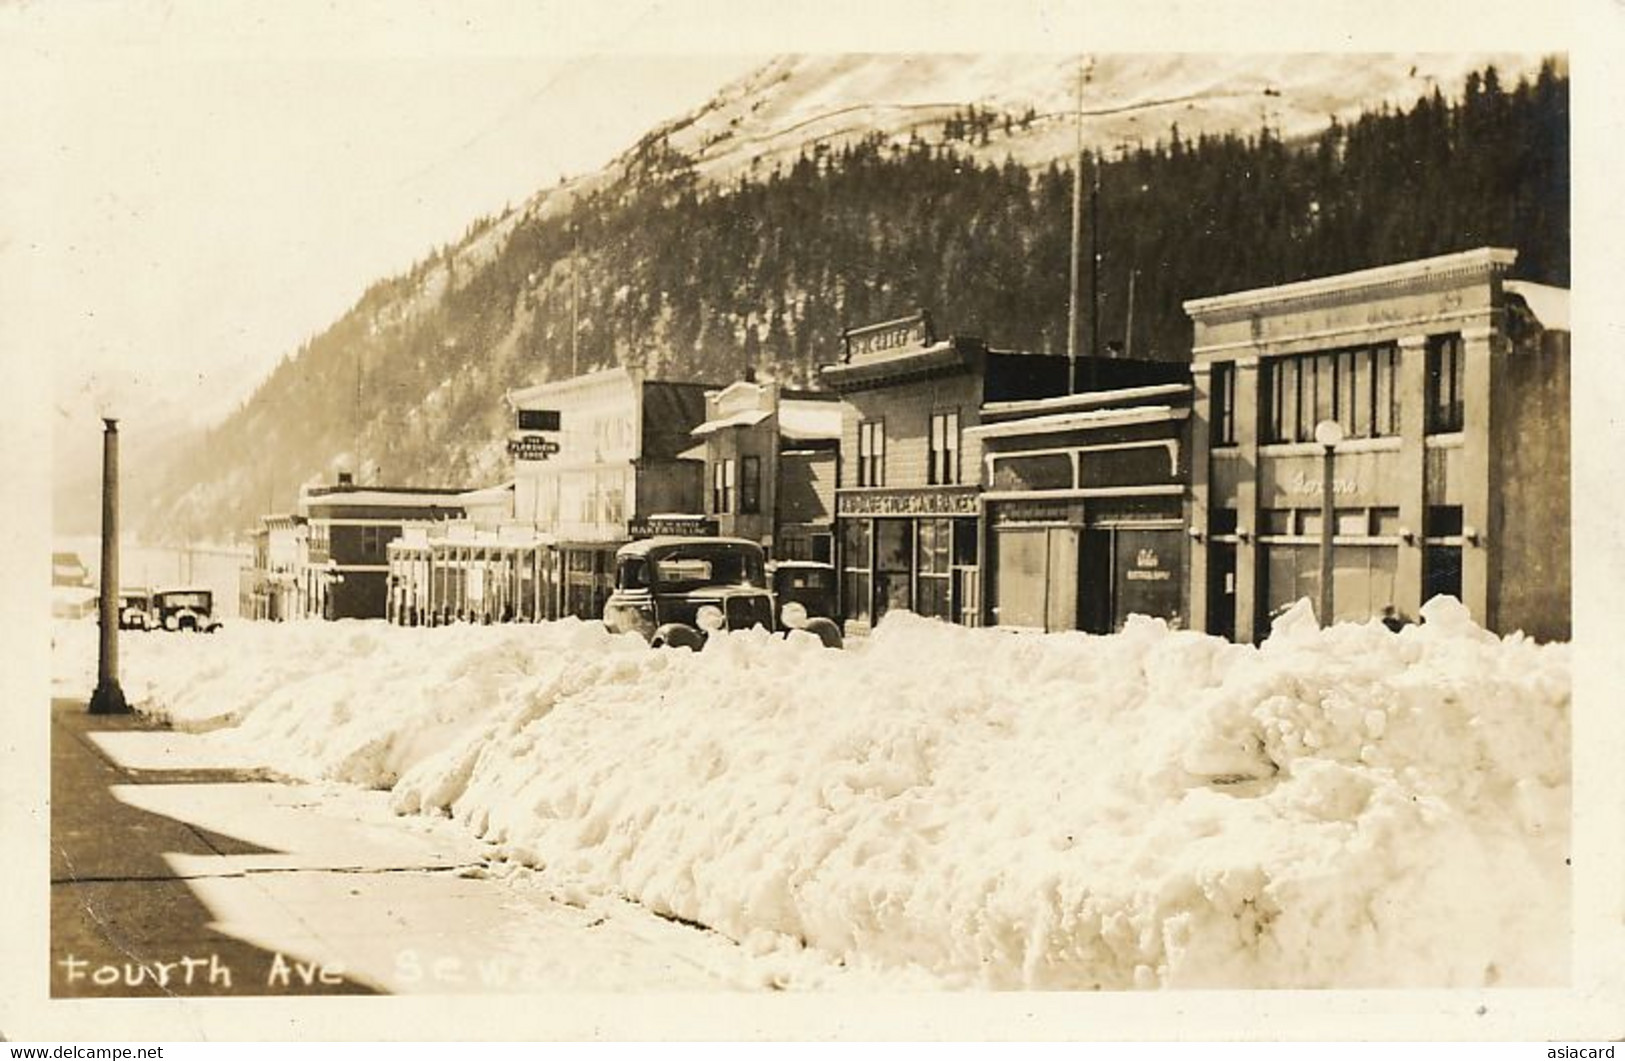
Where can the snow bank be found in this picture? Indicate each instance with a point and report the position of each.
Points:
(1338, 808)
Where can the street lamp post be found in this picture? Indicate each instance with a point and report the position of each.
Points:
(1328, 433)
(108, 699)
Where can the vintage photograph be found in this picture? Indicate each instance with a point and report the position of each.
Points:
(800, 521)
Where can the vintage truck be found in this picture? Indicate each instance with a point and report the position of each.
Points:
(676, 591)
(185, 608)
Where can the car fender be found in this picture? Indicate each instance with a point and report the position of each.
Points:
(677, 635)
(826, 631)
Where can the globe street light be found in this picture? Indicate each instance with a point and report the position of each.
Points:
(1328, 433)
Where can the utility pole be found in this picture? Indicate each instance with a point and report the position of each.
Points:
(1094, 270)
(1077, 243)
(108, 699)
(575, 293)
(1128, 328)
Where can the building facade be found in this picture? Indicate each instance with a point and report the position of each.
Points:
(771, 458)
(271, 587)
(595, 456)
(345, 569)
(1084, 502)
(908, 534)
(1451, 476)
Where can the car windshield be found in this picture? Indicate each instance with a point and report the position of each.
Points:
(193, 600)
(709, 565)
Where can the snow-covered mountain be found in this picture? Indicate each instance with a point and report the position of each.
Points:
(795, 102)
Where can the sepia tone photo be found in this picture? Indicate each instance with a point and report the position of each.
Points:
(802, 525)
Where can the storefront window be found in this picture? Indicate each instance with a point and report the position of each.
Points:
(1149, 575)
(1362, 578)
(1441, 552)
(935, 556)
(1023, 573)
(894, 566)
(855, 569)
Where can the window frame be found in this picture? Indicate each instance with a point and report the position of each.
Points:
(872, 452)
(750, 485)
(945, 442)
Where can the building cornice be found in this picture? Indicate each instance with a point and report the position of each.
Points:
(1445, 270)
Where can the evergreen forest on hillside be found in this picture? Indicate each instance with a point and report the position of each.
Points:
(698, 281)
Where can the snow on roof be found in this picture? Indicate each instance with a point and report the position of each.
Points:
(1037, 425)
(747, 418)
(801, 420)
(1550, 305)
(487, 495)
(1086, 398)
(385, 496)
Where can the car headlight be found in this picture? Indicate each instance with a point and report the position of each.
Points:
(710, 618)
(793, 615)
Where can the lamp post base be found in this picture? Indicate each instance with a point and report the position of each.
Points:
(108, 699)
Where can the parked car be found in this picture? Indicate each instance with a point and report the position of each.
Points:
(135, 610)
(675, 591)
(185, 608)
(809, 583)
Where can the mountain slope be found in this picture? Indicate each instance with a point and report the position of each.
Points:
(824, 191)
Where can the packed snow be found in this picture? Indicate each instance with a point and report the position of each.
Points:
(1349, 807)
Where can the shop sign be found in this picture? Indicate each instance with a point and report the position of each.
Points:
(912, 331)
(908, 503)
(1304, 483)
(532, 447)
(673, 526)
(1147, 568)
(1036, 512)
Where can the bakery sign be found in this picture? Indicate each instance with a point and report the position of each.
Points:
(928, 502)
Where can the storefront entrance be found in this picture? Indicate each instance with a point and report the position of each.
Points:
(1221, 589)
(926, 565)
(1085, 578)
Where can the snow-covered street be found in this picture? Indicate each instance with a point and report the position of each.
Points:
(935, 805)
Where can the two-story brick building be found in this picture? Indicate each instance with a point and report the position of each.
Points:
(771, 459)
(1449, 388)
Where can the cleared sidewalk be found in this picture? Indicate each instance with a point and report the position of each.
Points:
(173, 873)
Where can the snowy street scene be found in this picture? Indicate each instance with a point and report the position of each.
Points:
(867, 535)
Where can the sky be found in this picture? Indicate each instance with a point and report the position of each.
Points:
(201, 198)
(190, 189)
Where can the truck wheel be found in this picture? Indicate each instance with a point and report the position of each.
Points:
(677, 635)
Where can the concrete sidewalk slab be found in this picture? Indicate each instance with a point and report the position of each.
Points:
(294, 826)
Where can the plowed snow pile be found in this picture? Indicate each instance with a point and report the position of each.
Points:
(1339, 808)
